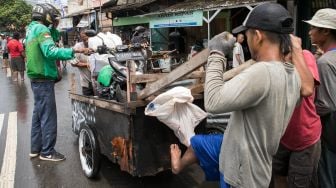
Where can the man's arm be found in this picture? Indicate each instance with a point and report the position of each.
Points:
(50, 50)
(307, 80)
(244, 90)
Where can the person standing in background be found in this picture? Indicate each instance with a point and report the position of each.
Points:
(4, 51)
(238, 53)
(17, 55)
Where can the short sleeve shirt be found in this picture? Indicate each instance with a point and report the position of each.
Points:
(15, 48)
(238, 49)
(304, 128)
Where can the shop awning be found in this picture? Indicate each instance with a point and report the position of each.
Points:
(207, 5)
(128, 6)
(78, 13)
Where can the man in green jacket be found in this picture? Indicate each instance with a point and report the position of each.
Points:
(42, 54)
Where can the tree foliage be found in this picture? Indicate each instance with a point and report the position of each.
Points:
(14, 15)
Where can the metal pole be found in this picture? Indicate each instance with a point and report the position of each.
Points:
(101, 16)
(209, 26)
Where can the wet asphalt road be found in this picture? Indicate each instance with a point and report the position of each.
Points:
(27, 173)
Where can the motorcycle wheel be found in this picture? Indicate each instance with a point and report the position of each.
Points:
(89, 152)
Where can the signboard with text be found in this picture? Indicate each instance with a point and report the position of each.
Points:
(177, 19)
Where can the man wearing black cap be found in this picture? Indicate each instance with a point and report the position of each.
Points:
(262, 99)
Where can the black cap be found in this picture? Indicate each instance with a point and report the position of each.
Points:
(268, 17)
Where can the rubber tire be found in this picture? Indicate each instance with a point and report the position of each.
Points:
(90, 170)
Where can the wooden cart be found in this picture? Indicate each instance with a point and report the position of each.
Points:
(121, 131)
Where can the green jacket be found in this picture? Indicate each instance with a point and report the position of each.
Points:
(55, 34)
(42, 52)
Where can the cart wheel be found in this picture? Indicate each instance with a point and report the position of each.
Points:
(89, 153)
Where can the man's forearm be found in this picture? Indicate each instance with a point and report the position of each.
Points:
(82, 64)
(307, 80)
(213, 81)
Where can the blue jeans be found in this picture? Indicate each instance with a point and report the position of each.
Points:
(44, 121)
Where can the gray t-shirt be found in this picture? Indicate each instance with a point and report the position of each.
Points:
(262, 99)
(326, 98)
(326, 92)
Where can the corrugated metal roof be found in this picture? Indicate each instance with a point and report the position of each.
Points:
(81, 12)
(209, 5)
(128, 6)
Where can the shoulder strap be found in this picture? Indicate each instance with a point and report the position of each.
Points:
(101, 39)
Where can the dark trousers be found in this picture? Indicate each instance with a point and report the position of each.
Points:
(327, 168)
(44, 121)
(300, 167)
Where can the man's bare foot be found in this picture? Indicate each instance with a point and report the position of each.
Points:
(175, 158)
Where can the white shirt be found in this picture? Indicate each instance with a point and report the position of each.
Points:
(238, 49)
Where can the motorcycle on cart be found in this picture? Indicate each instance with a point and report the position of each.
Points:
(114, 124)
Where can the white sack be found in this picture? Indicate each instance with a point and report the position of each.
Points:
(175, 109)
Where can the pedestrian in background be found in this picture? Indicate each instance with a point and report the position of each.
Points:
(17, 55)
(4, 50)
(323, 34)
(238, 52)
(42, 52)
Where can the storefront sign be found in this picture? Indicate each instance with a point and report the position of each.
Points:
(177, 19)
(129, 21)
(86, 20)
(65, 23)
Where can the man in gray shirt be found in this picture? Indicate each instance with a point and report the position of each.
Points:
(262, 99)
(81, 61)
(323, 34)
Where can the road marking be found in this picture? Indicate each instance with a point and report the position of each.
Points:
(7, 175)
(2, 117)
(9, 72)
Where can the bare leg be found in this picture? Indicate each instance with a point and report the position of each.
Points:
(5, 63)
(22, 75)
(178, 163)
(15, 76)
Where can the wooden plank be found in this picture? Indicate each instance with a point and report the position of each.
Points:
(186, 68)
(145, 78)
(131, 88)
(101, 103)
(233, 72)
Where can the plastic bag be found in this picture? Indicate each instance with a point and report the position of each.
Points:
(175, 109)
